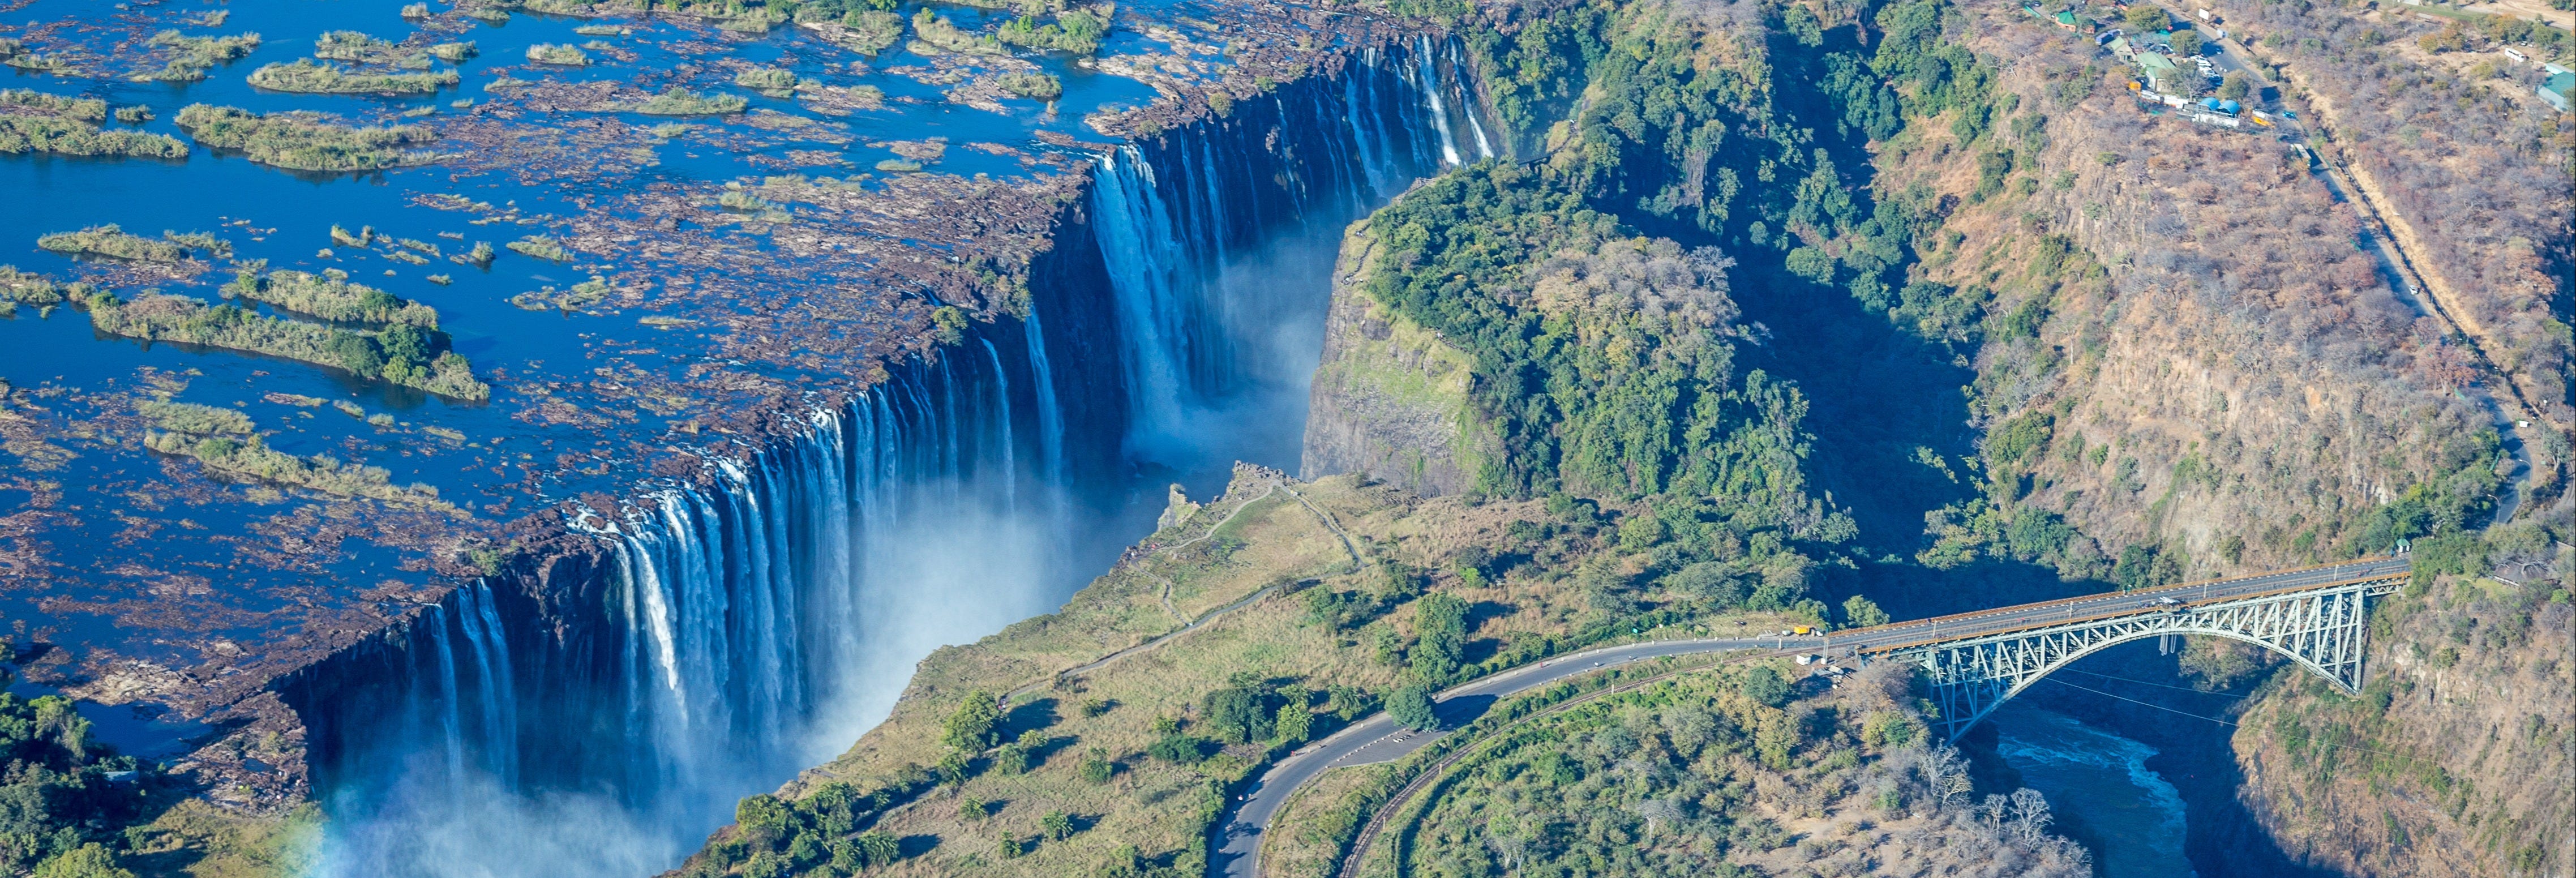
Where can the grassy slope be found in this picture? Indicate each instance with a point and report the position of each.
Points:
(1158, 807)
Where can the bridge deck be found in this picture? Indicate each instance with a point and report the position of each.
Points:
(2106, 605)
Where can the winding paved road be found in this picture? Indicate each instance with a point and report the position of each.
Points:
(1377, 739)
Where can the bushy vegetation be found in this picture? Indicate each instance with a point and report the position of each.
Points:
(1034, 86)
(937, 31)
(64, 797)
(1697, 775)
(301, 141)
(558, 54)
(330, 296)
(91, 110)
(1605, 359)
(24, 134)
(2491, 231)
(110, 241)
(1075, 30)
(2383, 775)
(359, 48)
(19, 287)
(317, 77)
(541, 247)
(677, 101)
(401, 353)
(224, 440)
(41, 122)
(771, 81)
(869, 31)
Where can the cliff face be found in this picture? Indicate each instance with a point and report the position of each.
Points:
(2455, 759)
(2180, 351)
(1390, 398)
(2184, 358)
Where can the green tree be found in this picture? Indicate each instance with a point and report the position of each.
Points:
(1096, 766)
(1235, 715)
(1295, 722)
(1059, 825)
(1861, 612)
(2186, 43)
(1178, 749)
(1011, 759)
(357, 353)
(1764, 685)
(2148, 18)
(90, 860)
(971, 728)
(1410, 707)
(2236, 86)
(764, 816)
(1440, 637)
(879, 847)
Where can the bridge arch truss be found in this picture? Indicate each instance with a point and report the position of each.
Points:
(2324, 628)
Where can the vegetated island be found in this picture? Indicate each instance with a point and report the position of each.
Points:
(330, 296)
(677, 101)
(400, 353)
(33, 121)
(196, 55)
(111, 241)
(319, 77)
(226, 441)
(302, 142)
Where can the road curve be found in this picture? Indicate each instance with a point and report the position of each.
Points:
(1376, 739)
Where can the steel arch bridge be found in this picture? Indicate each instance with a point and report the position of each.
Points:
(2316, 617)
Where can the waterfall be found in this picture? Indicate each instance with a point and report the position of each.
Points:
(732, 627)
(451, 724)
(1002, 404)
(1430, 86)
(499, 693)
(1179, 234)
(1050, 416)
(1135, 235)
(1458, 63)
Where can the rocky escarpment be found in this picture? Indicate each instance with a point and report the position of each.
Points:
(2454, 759)
(1390, 397)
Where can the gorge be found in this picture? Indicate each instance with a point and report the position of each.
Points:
(1006, 509)
(730, 633)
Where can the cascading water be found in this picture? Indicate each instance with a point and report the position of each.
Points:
(599, 718)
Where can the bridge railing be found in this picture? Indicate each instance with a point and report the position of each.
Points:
(1930, 627)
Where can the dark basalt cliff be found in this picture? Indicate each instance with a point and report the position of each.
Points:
(1390, 398)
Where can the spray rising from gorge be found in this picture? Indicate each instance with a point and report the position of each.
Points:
(600, 715)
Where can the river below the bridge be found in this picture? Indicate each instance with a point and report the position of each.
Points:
(2099, 785)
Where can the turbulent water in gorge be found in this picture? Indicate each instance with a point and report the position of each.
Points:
(2130, 816)
(737, 633)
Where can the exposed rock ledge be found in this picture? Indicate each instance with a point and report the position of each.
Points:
(1390, 398)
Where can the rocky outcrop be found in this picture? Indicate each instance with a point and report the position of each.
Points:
(2454, 760)
(1390, 398)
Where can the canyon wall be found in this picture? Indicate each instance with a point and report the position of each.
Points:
(1390, 399)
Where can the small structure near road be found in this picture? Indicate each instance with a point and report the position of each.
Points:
(2558, 90)
(2159, 70)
